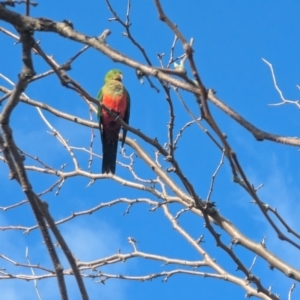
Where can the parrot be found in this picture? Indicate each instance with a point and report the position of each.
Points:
(114, 96)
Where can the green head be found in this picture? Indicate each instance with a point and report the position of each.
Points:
(114, 74)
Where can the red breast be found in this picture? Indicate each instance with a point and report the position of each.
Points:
(117, 103)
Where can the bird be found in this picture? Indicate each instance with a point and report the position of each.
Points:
(115, 97)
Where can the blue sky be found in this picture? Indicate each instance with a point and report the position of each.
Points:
(230, 40)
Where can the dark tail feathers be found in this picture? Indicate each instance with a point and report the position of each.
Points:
(109, 156)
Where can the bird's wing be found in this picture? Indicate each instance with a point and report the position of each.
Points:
(126, 116)
(100, 98)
